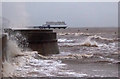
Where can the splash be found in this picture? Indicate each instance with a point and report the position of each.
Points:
(66, 56)
(8, 69)
(75, 34)
(102, 39)
(12, 52)
(89, 43)
(20, 39)
(30, 63)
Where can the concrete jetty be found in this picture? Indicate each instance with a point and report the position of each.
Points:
(42, 40)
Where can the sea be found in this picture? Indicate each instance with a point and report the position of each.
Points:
(84, 52)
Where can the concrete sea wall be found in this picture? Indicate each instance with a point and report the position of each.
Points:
(0, 56)
(3, 47)
(42, 40)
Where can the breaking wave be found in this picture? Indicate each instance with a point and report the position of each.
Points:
(12, 51)
(63, 40)
(90, 41)
(30, 63)
(41, 68)
(94, 40)
(75, 34)
(88, 57)
(69, 56)
(102, 39)
(87, 43)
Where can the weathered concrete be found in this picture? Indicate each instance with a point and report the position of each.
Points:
(3, 57)
(45, 43)
(0, 56)
(41, 40)
(4, 47)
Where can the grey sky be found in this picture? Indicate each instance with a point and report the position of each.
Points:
(79, 14)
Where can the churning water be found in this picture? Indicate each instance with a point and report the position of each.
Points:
(80, 51)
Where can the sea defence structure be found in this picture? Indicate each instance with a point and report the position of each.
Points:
(3, 53)
(42, 40)
(0, 56)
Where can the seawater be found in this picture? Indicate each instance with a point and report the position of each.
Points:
(80, 46)
(27, 63)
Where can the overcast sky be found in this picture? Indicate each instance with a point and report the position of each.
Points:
(75, 14)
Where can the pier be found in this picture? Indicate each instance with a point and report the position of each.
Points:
(52, 25)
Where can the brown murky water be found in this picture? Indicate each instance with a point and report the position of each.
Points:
(91, 52)
(100, 45)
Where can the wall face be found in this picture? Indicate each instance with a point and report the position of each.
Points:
(119, 16)
(119, 35)
(0, 57)
(42, 40)
(3, 42)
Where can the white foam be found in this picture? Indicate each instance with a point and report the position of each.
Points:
(89, 43)
(64, 40)
(28, 64)
(101, 38)
(75, 34)
(8, 69)
(64, 53)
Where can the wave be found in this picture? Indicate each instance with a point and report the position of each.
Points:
(107, 60)
(88, 57)
(12, 51)
(30, 63)
(96, 41)
(75, 34)
(8, 69)
(102, 39)
(87, 43)
(90, 41)
(67, 56)
(63, 40)
(95, 58)
(42, 66)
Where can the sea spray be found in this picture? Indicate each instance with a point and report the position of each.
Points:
(24, 63)
(103, 39)
(18, 37)
(8, 69)
(12, 51)
(89, 43)
(92, 41)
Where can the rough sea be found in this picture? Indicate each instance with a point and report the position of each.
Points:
(84, 52)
